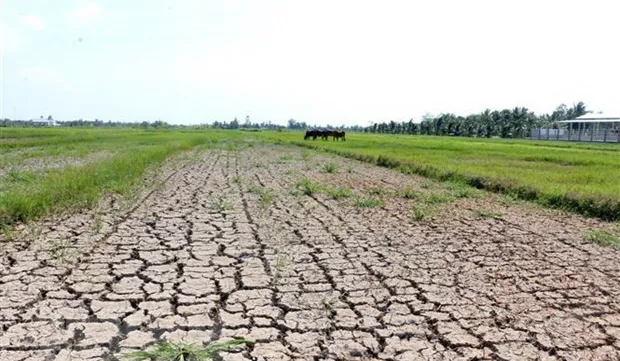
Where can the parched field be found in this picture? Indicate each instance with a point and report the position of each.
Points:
(313, 257)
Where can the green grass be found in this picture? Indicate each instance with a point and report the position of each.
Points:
(179, 351)
(379, 191)
(604, 238)
(29, 195)
(221, 205)
(338, 193)
(438, 198)
(285, 158)
(485, 213)
(368, 202)
(266, 198)
(308, 187)
(330, 167)
(410, 193)
(580, 177)
(422, 211)
(462, 190)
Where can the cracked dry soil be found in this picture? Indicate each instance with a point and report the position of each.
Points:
(309, 277)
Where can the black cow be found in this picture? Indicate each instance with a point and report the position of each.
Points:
(339, 135)
(311, 134)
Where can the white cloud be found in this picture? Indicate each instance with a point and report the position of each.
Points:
(33, 21)
(86, 13)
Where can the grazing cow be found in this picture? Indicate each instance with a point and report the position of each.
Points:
(326, 134)
(339, 135)
(312, 134)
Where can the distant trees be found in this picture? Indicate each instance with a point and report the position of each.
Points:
(505, 123)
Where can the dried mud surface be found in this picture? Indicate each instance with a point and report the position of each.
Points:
(308, 277)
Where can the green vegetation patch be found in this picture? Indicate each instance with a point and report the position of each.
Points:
(577, 177)
(179, 351)
(485, 213)
(38, 194)
(338, 193)
(371, 202)
(604, 238)
(308, 187)
(330, 167)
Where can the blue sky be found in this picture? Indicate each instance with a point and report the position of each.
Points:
(339, 61)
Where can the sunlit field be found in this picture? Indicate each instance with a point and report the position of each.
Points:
(43, 171)
(583, 177)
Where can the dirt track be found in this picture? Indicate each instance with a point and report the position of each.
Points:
(308, 277)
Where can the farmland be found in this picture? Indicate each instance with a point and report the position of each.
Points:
(118, 239)
(579, 177)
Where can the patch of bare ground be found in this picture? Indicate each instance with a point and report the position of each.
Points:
(227, 248)
(39, 164)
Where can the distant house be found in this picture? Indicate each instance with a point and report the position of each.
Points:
(590, 127)
(43, 122)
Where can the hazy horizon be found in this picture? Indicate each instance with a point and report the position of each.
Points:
(337, 62)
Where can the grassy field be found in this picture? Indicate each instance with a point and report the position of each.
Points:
(43, 171)
(581, 177)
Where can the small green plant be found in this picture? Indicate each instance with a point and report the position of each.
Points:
(237, 179)
(308, 187)
(438, 198)
(378, 191)
(484, 213)
(179, 351)
(328, 307)
(59, 249)
(421, 211)
(509, 200)
(34, 231)
(330, 167)
(410, 193)
(368, 202)
(15, 176)
(97, 223)
(221, 205)
(337, 193)
(305, 155)
(604, 238)
(266, 198)
(384, 161)
(279, 267)
(460, 190)
(285, 158)
(8, 232)
(231, 147)
(427, 185)
(253, 188)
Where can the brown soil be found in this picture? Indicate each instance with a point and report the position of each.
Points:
(310, 277)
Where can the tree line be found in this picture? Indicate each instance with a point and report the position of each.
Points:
(506, 123)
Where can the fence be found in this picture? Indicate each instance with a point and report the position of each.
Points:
(577, 135)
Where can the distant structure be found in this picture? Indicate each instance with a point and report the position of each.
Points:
(41, 122)
(591, 127)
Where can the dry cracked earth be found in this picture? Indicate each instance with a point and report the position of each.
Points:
(206, 257)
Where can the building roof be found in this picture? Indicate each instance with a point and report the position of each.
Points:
(594, 118)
